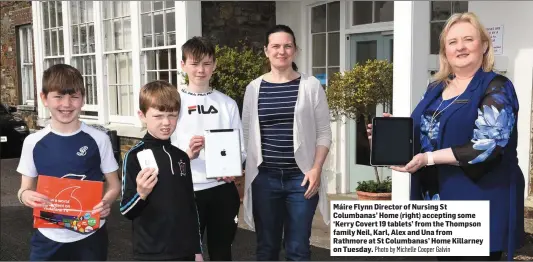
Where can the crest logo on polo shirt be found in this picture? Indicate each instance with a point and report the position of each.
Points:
(201, 110)
(83, 151)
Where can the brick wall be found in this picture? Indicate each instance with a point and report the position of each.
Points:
(228, 22)
(12, 15)
(126, 143)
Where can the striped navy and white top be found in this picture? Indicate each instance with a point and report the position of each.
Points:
(276, 118)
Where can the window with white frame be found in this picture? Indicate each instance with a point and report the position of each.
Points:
(99, 37)
(159, 41)
(83, 51)
(440, 12)
(117, 52)
(52, 25)
(25, 50)
(368, 12)
(325, 35)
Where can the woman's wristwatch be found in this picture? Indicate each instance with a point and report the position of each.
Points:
(429, 155)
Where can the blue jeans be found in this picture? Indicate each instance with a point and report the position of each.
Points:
(279, 207)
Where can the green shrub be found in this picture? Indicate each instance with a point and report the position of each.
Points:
(357, 92)
(372, 186)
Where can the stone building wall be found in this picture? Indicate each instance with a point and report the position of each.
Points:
(228, 22)
(12, 15)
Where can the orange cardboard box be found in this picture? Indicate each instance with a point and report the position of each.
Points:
(72, 203)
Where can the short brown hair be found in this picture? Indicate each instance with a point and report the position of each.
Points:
(64, 79)
(160, 95)
(197, 47)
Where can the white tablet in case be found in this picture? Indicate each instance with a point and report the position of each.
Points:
(223, 153)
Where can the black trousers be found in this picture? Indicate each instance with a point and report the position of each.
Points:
(218, 208)
(494, 256)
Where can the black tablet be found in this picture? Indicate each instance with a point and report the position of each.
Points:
(392, 141)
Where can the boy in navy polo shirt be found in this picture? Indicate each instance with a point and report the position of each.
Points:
(67, 147)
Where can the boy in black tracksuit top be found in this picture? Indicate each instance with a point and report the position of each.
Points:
(160, 202)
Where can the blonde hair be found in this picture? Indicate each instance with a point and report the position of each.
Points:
(160, 95)
(445, 70)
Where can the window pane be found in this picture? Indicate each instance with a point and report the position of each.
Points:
(47, 48)
(362, 12)
(54, 42)
(61, 48)
(112, 72)
(125, 8)
(107, 9)
(331, 71)
(83, 39)
(146, 6)
(119, 38)
(146, 24)
(391, 50)
(163, 75)
(52, 13)
(169, 4)
(333, 49)
(74, 5)
(75, 40)
(366, 50)
(174, 78)
(319, 50)
(334, 16)
(160, 40)
(383, 11)
(151, 76)
(59, 14)
(436, 29)
(171, 39)
(117, 9)
(52, 61)
(147, 41)
(120, 92)
(318, 19)
(440, 10)
(164, 59)
(171, 22)
(158, 23)
(127, 33)
(320, 74)
(91, 38)
(173, 60)
(158, 5)
(46, 21)
(151, 63)
(108, 35)
(460, 6)
(89, 11)
(83, 12)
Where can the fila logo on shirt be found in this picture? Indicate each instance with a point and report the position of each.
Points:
(201, 109)
(83, 151)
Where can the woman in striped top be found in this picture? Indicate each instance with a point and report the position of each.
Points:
(286, 128)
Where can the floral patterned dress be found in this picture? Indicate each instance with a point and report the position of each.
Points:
(493, 127)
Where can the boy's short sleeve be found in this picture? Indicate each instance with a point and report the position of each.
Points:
(26, 164)
(107, 159)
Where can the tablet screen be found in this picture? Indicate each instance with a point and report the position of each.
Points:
(392, 141)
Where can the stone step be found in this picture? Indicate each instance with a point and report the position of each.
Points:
(528, 207)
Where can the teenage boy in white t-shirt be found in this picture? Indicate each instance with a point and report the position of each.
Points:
(203, 108)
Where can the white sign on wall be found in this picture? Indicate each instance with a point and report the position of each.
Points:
(496, 34)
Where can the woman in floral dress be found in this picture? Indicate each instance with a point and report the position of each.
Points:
(466, 133)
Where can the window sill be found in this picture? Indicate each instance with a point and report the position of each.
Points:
(123, 130)
(26, 108)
